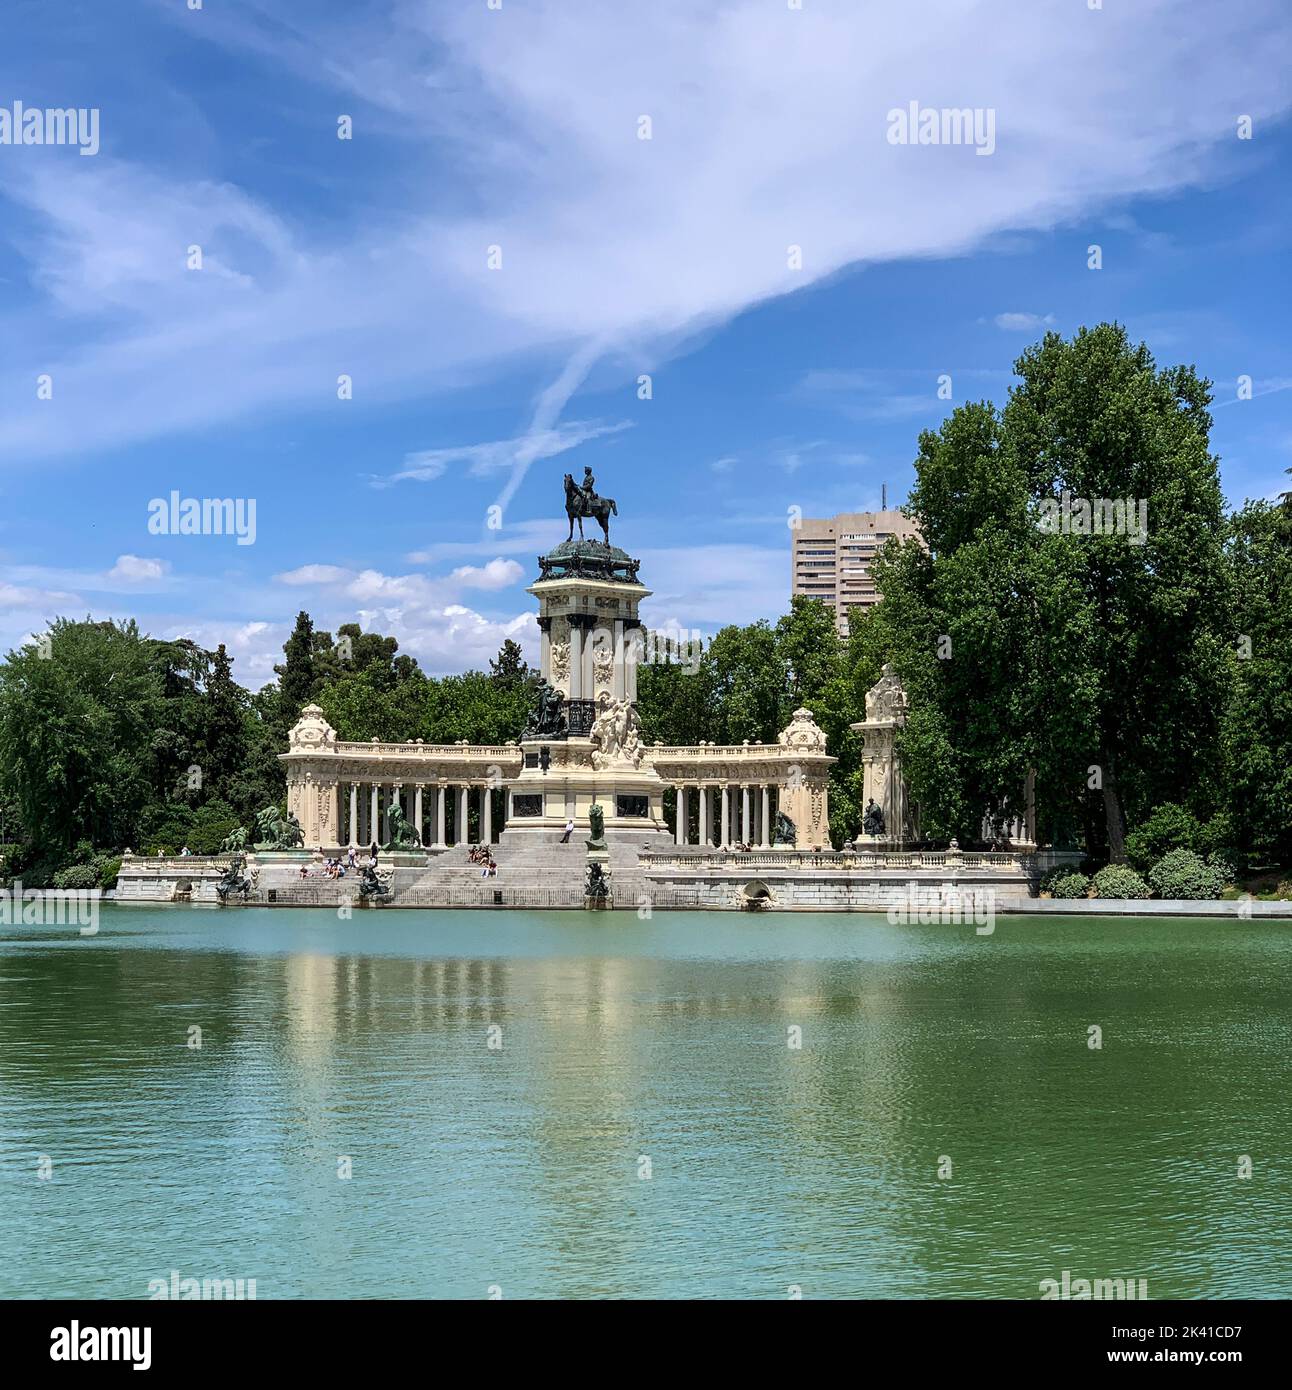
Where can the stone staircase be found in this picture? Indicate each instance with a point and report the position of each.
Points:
(533, 871)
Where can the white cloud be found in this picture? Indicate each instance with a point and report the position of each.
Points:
(709, 586)
(134, 569)
(769, 131)
(423, 612)
(1022, 322)
(315, 575)
(481, 460)
(497, 574)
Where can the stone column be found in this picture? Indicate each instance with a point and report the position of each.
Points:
(417, 813)
(588, 679)
(486, 814)
(373, 822)
(765, 842)
(724, 833)
(621, 658)
(576, 660)
(679, 833)
(746, 830)
(703, 792)
(354, 816)
(464, 819)
(439, 815)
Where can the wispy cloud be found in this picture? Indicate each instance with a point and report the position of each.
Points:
(498, 456)
(769, 131)
(1019, 322)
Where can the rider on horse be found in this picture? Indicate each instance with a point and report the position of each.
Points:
(581, 501)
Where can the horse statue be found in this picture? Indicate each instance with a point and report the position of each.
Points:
(579, 504)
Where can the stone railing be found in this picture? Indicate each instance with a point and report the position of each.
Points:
(698, 752)
(498, 752)
(168, 865)
(847, 861)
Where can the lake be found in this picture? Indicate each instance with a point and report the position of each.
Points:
(588, 1105)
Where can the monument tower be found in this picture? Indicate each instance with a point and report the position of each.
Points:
(583, 743)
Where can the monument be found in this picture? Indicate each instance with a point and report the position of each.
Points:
(583, 746)
(889, 820)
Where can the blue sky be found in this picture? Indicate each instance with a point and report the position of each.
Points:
(772, 386)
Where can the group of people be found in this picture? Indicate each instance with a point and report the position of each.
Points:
(336, 867)
(483, 855)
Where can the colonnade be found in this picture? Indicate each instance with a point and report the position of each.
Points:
(365, 807)
(727, 814)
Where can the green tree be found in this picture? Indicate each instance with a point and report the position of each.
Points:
(224, 731)
(298, 681)
(510, 668)
(1257, 737)
(1100, 660)
(78, 714)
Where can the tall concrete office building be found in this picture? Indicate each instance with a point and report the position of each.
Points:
(832, 557)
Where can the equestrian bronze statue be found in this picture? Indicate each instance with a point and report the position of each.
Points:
(583, 502)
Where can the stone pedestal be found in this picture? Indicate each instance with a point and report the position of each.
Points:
(805, 795)
(588, 595)
(601, 857)
(882, 782)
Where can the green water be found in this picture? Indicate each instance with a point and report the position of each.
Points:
(623, 1040)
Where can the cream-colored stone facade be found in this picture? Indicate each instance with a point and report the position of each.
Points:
(342, 792)
(591, 646)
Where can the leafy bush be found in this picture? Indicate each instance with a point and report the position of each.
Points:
(100, 872)
(1120, 881)
(1184, 874)
(78, 876)
(1170, 827)
(1069, 885)
(109, 866)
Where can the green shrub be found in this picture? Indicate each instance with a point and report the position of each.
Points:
(108, 866)
(1120, 881)
(1069, 885)
(77, 876)
(1184, 874)
(1170, 827)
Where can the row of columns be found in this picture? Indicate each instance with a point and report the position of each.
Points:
(366, 806)
(727, 814)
